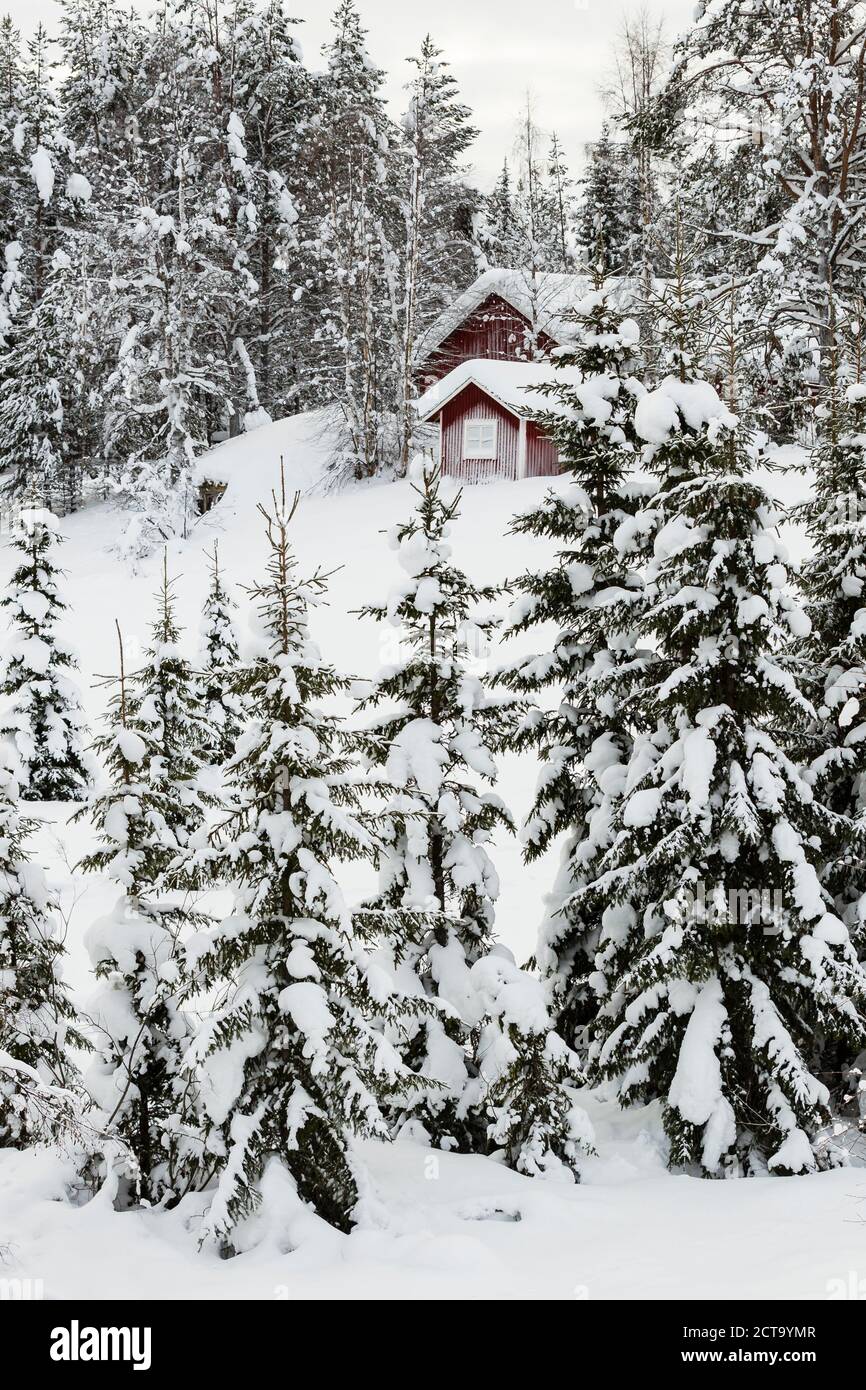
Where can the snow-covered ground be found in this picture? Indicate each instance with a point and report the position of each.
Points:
(447, 1226)
(434, 1225)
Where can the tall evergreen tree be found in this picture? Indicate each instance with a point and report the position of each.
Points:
(592, 595)
(179, 284)
(499, 236)
(43, 715)
(41, 185)
(608, 209)
(103, 92)
(434, 202)
(290, 1065)
(220, 719)
(38, 1024)
(11, 97)
(140, 1030)
(41, 197)
(40, 451)
(833, 585)
(261, 100)
(352, 221)
(722, 969)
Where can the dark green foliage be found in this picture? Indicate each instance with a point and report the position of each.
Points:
(592, 595)
(44, 719)
(296, 993)
(38, 1023)
(721, 968)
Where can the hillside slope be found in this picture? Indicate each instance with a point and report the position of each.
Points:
(464, 1225)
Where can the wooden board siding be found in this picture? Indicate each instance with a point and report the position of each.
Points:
(542, 460)
(473, 404)
(495, 331)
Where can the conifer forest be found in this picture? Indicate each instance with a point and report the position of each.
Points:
(433, 657)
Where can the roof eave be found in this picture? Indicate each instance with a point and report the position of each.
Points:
(456, 391)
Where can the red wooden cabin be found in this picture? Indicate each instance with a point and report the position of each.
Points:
(494, 330)
(479, 361)
(480, 408)
(504, 316)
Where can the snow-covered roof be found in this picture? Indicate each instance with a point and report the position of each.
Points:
(514, 386)
(543, 299)
(509, 383)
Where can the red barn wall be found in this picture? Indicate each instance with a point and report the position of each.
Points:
(542, 460)
(494, 330)
(473, 404)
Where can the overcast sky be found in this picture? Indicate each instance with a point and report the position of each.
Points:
(559, 49)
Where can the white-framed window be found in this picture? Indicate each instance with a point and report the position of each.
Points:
(479, 439)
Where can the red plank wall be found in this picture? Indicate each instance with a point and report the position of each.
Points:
(542, 460)
(472, 404)
(494, 331)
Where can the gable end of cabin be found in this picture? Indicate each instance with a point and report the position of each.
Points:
(481, 439)
(495, 331)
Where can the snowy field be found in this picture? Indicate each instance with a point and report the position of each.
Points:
(433, 1225)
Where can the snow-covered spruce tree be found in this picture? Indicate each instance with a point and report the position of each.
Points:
(722, 970)
(606, 221)
(166, 705)
(833, 582)
(289, 1065)
(179, 284)
(37, 1019)
(220, 717)
(432, 739)
(41, 195)
(31, 408)
(257, 104)
(140, 1032)
(497, 230)
(583, 742)
(530, 1074)
(434, 201)
(351, 206)
(42, 714)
